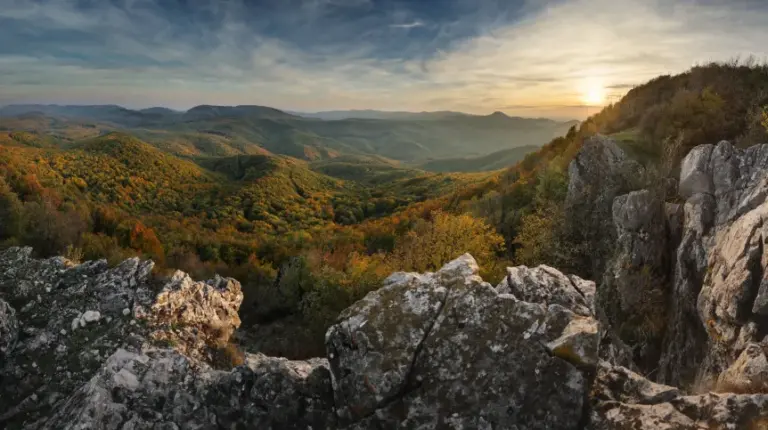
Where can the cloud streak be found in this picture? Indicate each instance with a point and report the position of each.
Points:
(413, 24)
(534, 58)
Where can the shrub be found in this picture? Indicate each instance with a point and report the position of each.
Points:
(227, 356)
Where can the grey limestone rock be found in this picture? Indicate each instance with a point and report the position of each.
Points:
(446, 350)
(625, 400)
(600, 172)
(9, 330)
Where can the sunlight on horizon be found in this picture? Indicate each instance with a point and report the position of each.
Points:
(593, 93)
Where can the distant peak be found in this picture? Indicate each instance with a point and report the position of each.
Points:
(499, 114)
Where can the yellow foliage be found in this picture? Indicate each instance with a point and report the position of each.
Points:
(764, 118)
(431, 244)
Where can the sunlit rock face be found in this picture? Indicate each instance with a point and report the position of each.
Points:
(623, 399)
(719, 290)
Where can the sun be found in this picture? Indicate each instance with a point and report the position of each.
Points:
(594, 94)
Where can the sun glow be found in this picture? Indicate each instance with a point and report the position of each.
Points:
(594, 94)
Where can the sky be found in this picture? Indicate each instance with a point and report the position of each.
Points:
(534, 58)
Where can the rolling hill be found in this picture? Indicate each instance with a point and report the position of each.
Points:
(494, 161)
(229, 130)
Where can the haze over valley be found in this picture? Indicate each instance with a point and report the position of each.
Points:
(407, 138)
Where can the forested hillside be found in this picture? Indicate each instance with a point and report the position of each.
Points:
(307, 238)
(295, 236)
(493, 161)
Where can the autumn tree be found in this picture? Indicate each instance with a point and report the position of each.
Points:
(431, 244)
(49, 230)
(135, 235)
(10, 212)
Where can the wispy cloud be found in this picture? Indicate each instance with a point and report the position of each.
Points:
(535, 57)
(413, 24)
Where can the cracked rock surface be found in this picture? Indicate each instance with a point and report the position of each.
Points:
(447, 350)
(600, 172)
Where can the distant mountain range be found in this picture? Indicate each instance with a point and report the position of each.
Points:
(377, 114)
(409, 137)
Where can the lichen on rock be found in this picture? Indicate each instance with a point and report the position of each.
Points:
(448, 350)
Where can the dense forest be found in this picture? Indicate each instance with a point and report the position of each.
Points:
(307, 236)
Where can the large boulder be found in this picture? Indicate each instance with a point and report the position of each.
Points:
(447, 350)
(749, 373)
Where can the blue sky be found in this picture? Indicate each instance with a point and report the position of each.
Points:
(524, 57)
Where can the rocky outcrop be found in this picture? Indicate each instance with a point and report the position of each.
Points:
(635, 286)
(193, 316)
(719, 284)
(428, 350)
(626, 400)
(684, 285)
(447, 350)
(72, 317)
(600, 172)
(160, 388)
(629, 234)
(59, 347)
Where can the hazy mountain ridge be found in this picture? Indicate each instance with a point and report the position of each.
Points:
(493, 161)
(378, 114)
(250, 129)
